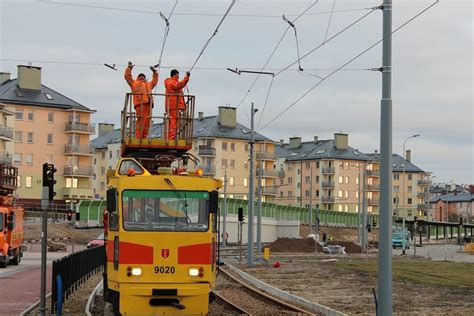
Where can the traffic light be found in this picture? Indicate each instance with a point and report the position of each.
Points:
(48, 179)
(78, 216)
(69, 216)
(460, 221)
(240, 214)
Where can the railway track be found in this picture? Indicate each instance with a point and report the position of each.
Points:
(250, 300)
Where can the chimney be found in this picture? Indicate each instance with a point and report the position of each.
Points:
(316, 138)
(408, 155)
(341, 141)
(4, 77)
(105, 128)
(227, 116)
(200, 116)
(295, 142)
(29, 77)
(282, 143)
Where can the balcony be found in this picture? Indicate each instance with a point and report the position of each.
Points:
(79, 150)
(83, 171)
(327, 184)
(262, 155)
(206, 151)
(269, 173)
(208, 170)
(6, 158)
(269, 190)
(78, 193)
(421, 206)
(6, 133)
(327, 199)
(80, 128)
(373, 187)
(424, 182)
(373, 202)
(422, 195)
(373, 173)
(328, 170)
(281, 174)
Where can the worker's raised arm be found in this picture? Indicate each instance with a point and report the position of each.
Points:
(128, 74)
(154, 80)
(181, 84)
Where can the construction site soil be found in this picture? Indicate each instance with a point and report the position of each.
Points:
(306, 245)
(61, 230)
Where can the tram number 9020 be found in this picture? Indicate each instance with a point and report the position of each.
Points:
(164, 269)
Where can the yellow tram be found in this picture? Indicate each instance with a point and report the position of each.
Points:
(161, 226)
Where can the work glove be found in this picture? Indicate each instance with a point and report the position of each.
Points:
(130, 64)
(188, 74)
(152, 68)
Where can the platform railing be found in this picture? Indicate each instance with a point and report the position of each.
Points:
(158, 126)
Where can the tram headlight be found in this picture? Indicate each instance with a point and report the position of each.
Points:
(136, 271)
(193, 272)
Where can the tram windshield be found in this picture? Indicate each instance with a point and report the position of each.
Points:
(146, 210)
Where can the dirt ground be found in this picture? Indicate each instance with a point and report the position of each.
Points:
(420, 287)
(60, 230)
(347, 234)
(309, 245)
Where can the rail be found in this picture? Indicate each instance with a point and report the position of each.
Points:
(74, 270)
(142, 129)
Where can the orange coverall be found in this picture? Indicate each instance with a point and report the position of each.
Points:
(174, 103)
(141, 90)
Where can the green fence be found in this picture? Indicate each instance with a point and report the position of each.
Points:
(92, 212)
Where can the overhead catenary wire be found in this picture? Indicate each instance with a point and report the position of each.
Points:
(296, 38)
(265, 103)
(213, 34)
(345, 64)
(329, 22)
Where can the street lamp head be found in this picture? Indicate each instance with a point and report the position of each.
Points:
(416, 135)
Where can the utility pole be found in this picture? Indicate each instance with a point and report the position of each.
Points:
(385, 304)
(259, 209)
(224, 212)
(364, 212)
(251, 189)
(359, 207)
(311, 200)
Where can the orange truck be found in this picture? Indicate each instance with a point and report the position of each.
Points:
(11, 219)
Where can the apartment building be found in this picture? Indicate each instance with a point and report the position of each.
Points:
(221, 146)
(327, 173)
(48, 128)
(6, 134)
(450, 207)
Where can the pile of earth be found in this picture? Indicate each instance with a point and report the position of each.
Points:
(61, 230)
(349, 246)
(285, 244)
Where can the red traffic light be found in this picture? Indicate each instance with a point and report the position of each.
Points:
(69, 216)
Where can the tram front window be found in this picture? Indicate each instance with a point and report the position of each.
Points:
(145, 210)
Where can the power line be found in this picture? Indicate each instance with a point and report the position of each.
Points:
(329, 22)
(192, 13)
(345, 64)
(266, 99)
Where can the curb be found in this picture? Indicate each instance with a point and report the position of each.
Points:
(285, 295)
(91, 299)
(33, 306)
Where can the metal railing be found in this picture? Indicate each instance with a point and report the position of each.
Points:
(206, 151)
(424, 182)
(421, 206)
(80, 127)
(73, 270)
(270, 173)
(78, 149)
(184, 120)
(79, 171)
(6, 132)
(327, 184)
(373, 173)
(373, 201)
(327, 199)
(6, 158)
(281, 173)
(269, 190)
(329, 170)
(373, 187)
(263, 155)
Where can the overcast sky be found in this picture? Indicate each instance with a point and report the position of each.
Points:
(432, 66)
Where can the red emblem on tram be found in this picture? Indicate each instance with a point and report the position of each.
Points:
(165, 253)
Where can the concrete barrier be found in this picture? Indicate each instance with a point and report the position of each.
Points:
(285, 295)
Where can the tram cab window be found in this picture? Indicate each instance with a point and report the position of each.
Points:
(146, 210)
(128, 165)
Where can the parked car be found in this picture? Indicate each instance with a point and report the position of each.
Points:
(401, 239)
(98, 241)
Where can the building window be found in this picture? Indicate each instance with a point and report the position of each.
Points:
(29, 137)
(246, 146)
(341, 179)
(281, 181)
(396, 176)
(18, 181)
(307, 179)
(357, 180)
(357, 194)
(409, 200)
(281, 193)
(298, 185)
(18, 137)
(346, 165)
(102, 170)
(346, 194)
(347, 180)
(110, 154)
(224, 163)
(31, 116)
(95, 161)
(28, 181)
(290, 193)
(290, 180)
(298, 171)
(340, 193)
(232, 146)
(317, 193)
(395, 200)
(396, 188)
(317, 179)
(103, 155)
(50, 139)
(289, 167)
(341, 166)
(231, 181)
(308, 165)
(17, 158)
(410, 188)
(317, 164)
(224, 146)
(346, 208)
(50, 117)
(118, 153)
(409, 176)
(71, 183)
(19, 115)
(232, 163)
(102, 186)
(307, 193)
(340, 207)
(29, 159)
(246, 164)
(246, 182)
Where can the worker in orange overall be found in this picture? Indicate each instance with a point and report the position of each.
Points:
(142, 99)
(174, 101)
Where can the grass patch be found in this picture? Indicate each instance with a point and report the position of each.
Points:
(437, 273)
